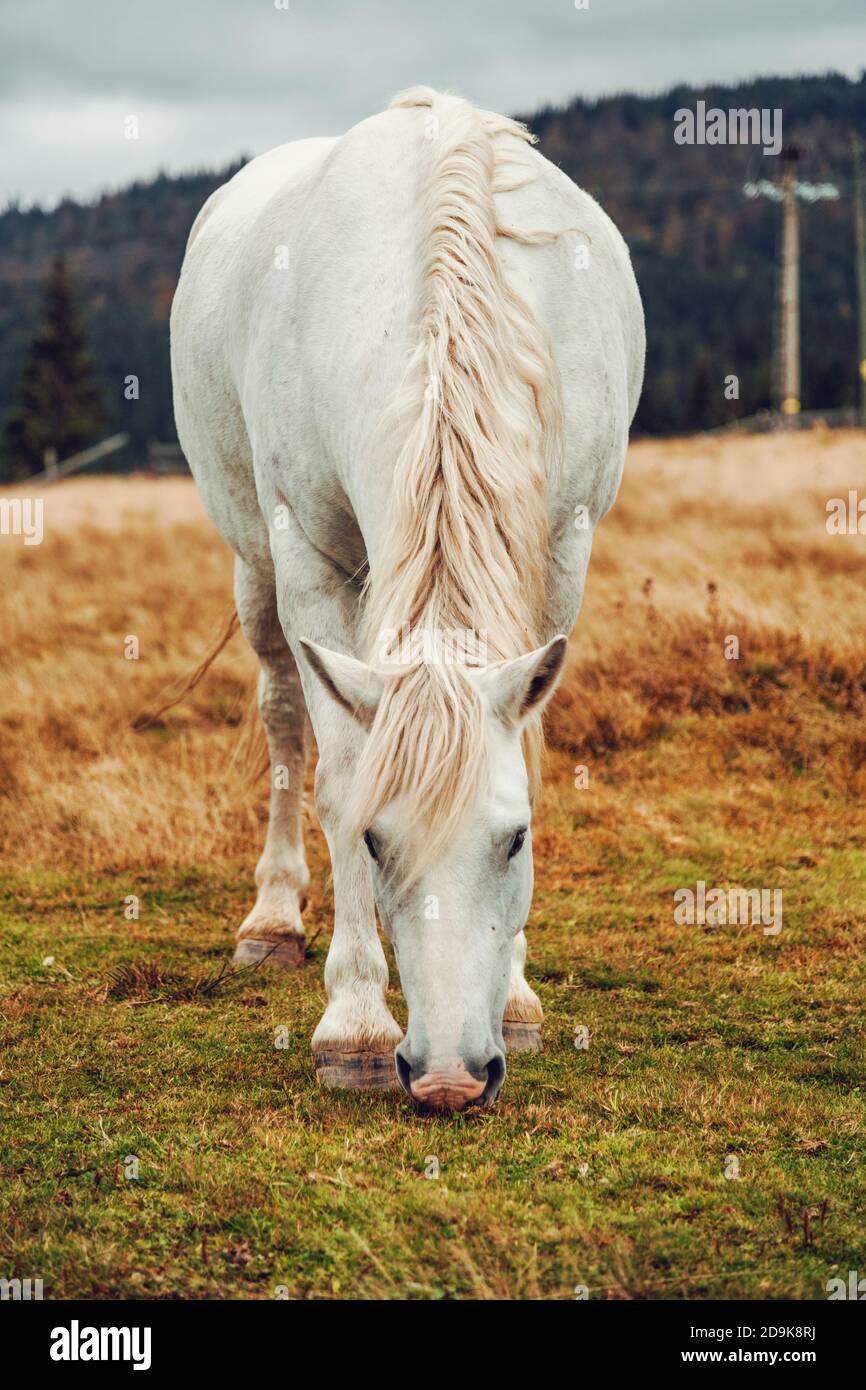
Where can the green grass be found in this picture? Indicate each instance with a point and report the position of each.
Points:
(603, 1168)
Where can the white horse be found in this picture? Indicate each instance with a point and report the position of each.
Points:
(405, 364)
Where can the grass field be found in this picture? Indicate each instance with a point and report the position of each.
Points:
(712, 1049)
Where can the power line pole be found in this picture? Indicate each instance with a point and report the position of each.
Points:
(788, 348)
(786, 335)
(860, 245)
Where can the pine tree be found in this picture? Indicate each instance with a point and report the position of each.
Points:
(59, 401)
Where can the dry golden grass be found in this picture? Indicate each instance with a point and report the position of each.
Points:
(605, 1168)
(709, 537)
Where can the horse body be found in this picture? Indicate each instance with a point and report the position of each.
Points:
(342, 303)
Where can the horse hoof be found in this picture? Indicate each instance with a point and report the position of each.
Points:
(357, 1071)
(522, 1037)
(287, 952)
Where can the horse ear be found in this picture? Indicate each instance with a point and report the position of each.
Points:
(520, 687)
(355, 686)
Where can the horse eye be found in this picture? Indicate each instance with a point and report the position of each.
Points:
(517, 843)
(371, 846)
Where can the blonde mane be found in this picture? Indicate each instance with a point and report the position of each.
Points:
(466, 538)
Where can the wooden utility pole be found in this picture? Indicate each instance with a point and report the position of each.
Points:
(788, 360)
(787, 190)
(860, 254)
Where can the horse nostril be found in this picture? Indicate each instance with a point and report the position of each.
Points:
(495, 1078)
(404, 1071)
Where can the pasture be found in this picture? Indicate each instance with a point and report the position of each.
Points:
(709, 1140)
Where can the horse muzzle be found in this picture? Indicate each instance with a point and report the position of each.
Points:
(451, 1085)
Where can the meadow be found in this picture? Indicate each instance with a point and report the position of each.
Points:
(163, 1134)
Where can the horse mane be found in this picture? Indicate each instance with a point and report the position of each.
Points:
(465, 540)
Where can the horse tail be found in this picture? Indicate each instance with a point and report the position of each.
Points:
(146, 717)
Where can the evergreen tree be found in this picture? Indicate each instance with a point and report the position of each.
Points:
(59, 400)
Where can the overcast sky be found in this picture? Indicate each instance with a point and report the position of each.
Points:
(210, 79)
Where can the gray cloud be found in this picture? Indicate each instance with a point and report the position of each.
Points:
(209, 79)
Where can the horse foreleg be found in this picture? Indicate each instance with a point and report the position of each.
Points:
(353, 1045)
(523, 1017)
(354, 1042)
(273, 929)
(521, 1023)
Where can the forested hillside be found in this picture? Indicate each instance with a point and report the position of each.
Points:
(124, 253)
(705, 255)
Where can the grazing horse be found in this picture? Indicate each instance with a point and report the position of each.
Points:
(405, 363)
